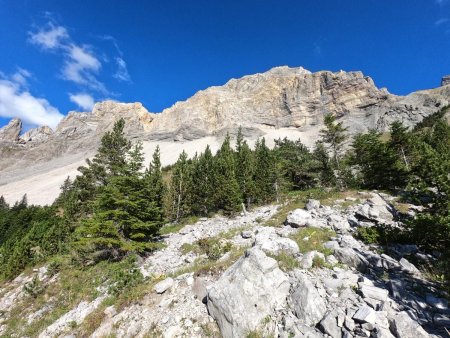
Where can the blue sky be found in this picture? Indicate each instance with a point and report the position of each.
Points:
(58, 56)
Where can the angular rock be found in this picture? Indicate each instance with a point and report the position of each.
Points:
(38, 134)
(329, 325)
(351, 258)
(312, 204)
(299, 218)
(164, 285)
(338, 223)
(365, 314)
(374, 292)
(438, 303)
(247, 293)
(382, 333)
(271, 243)
(405, 327)
(306, 262)
(309, 307)
(408, 267)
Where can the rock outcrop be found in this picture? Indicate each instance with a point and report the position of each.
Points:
(11, 132)
(39, 134)
(445, 80)
(253, 286)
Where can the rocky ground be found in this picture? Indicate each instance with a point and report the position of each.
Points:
(309, 277)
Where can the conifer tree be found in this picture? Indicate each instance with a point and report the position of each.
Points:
(228, 197)
(202, 184)
(325, 171)
(245, 169)
(265, 176)
(154, 179)
(180, 187)
(334, 135)
(3, 204)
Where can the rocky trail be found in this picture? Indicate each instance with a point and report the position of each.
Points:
(255, 280)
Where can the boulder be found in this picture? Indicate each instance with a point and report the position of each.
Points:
(308, 306)
(272, 243)
(376, 209)
(300, 218)
(306, 262)
(329, 325)
(408, 267)
(365, 314)
(164, 285)
(405, 327)
(338, 223)
(246, 293)
(374, 292)
(312, 204)
(351, 258)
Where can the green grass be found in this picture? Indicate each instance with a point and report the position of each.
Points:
(309, 239)
(286, 262)
(175, 227)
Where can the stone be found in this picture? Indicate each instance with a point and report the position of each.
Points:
(338, 223)
(247, 293)
(365, 314)
(382, 333)
(349, 323)
(374, 292)
(199, 289)
(332, 245)
(271, 243)
(408, 267)
(441, 320)
(308, 306)
(11, 131)
(312, 204)
(39, 134)
(329, 325)
(299, 218)
(396, 288)
(403, 326)
(164, 285)
(445, 80)
(331, 259)
(351, 258)
(247, 234)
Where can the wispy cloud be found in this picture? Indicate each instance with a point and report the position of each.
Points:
(49, 37)
(80, 64)
(441, 21)
(82, 100)
(122, 70)
(121, 73)
(17, 101)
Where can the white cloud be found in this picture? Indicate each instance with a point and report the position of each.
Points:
(80, 63)
(49, 37)
(122, 71)
(83, 100)
(21, 77)
(16, 101)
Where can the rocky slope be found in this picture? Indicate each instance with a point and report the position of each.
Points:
(340, 288)
(281, 102)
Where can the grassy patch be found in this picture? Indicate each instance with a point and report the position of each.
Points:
(309, 239)
(286, 262)
(175, 227)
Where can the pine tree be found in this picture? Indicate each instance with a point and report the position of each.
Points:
(202, 184)
(325, 167)
(334, 135)
(245, 169)
(154, 180)
(179, 187)
(3, 204)
(228, 197)
(265, 176)
(400, 142)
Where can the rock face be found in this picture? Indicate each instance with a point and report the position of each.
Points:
(38, 134)
(281, 102)
(246, 293)
(11, 131)
(445, 80)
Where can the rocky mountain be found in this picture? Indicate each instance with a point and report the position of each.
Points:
(282, 102)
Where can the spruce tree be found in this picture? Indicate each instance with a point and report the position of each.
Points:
(327, 177)
(228, 197)
(179, 187)
(202, 184)
(334, 135)
(265, 175)
(155, 182)
(245, 167)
